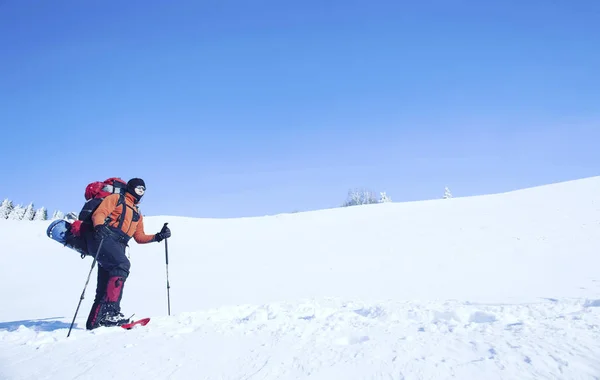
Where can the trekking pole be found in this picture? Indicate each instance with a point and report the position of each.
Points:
(86, 284)
(167, 261)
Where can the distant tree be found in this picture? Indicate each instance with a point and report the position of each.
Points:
(58, 215)
(29, 212)
(41, 214)
(9, 211)
(369, 197)
(384, 198)
(359, 197)
(354, 198)
(71, 216)
(17, 213)
(5, 208)
(447, 193)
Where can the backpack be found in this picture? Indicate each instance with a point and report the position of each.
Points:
(75, 233)
(95, 192)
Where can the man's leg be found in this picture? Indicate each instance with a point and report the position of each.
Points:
(117, 265)
(114, 266)
(101, 285)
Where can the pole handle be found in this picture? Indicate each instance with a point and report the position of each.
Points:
(166, 248)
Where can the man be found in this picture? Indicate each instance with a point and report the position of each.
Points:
(116, 220)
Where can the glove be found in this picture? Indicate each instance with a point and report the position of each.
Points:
(164, 233)
(101, 231)
(76, 228)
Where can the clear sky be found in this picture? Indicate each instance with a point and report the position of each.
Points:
(247, 108)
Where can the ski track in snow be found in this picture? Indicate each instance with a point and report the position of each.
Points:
(321, 339)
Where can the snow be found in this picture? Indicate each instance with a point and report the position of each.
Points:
(501, 286)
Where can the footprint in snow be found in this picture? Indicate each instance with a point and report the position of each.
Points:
(482, 317)
(592, 303)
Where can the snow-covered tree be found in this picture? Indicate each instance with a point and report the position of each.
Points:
(354, 198)
(29, 212)
(17, 213)
(9, 211)
(58, 215)
(447, 193)
(71, 216)
(5, 208)
(384, 198)
(41, 214)
(369, 197)
(360, 197)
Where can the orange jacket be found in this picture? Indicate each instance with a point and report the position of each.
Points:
(131, 227)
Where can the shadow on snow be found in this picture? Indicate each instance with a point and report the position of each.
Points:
(45, 324)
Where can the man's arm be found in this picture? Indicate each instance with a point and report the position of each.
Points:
(140, 236)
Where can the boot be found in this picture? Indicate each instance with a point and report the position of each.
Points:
(105, 314)
(114, 319)
(107, 311)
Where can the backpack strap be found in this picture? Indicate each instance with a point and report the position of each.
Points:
(121, 201)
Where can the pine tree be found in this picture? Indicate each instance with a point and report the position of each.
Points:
(5, 208)
(58, 215)
(447, 193)
(41, 214)
(17, 213)
(29, 212)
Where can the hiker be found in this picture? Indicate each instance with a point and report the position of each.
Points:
(116, 220)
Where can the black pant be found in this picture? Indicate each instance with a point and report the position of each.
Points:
(112, 256)
(113, 270)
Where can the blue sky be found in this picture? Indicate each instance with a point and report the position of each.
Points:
(237, 108)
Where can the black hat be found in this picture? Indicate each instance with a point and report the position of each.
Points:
(132, 184)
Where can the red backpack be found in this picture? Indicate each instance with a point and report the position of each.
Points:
(95, 193)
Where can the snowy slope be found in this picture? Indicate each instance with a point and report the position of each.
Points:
(503, 286)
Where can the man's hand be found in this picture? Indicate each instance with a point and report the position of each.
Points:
(164, 233)
(101, 231)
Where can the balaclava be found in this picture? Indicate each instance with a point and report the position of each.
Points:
(132, 184)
